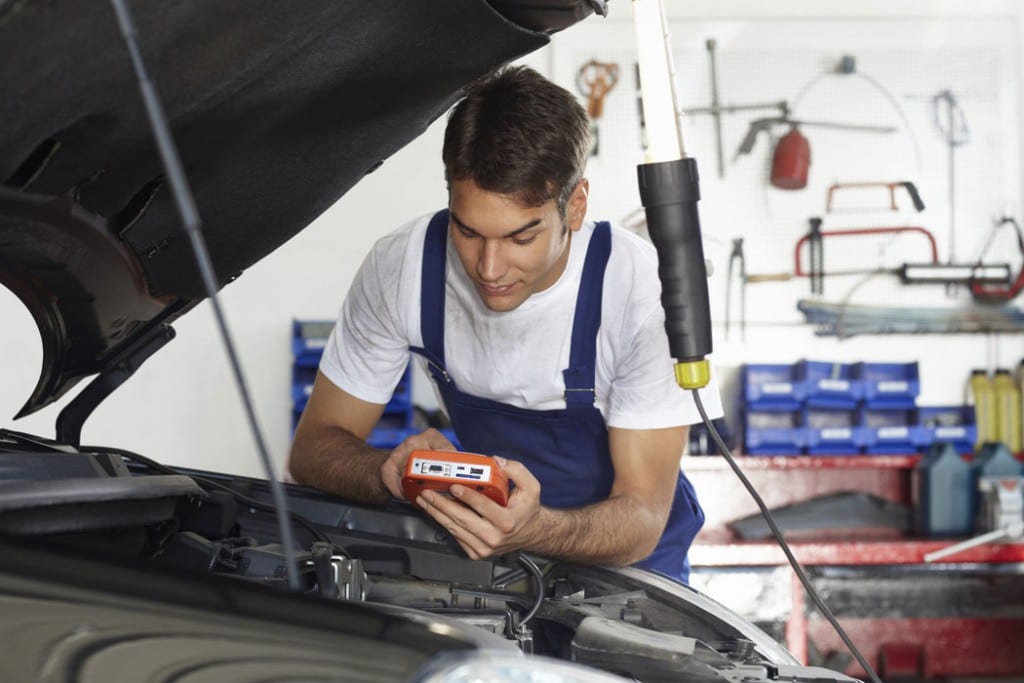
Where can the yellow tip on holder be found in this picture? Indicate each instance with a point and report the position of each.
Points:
(693, 374)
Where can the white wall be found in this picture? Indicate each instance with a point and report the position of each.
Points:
(182, 408)
(905, 53)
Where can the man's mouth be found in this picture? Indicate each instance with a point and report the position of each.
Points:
(493, 290)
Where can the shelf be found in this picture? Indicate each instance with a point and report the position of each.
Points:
(714, 552)
(714, 463)
(787, 480)
(710, 463)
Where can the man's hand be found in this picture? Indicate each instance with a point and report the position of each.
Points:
(482, 527)
(391, 470)
(622, 529)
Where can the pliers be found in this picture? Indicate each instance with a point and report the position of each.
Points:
(734, 256)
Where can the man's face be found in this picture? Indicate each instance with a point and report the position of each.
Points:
(509, 250)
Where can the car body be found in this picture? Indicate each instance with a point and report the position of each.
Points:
(115, 567)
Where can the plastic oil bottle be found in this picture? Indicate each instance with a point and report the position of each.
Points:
(993, 460)
(1008, 410)
(940, 489)
(984, 398)
(1020, 386)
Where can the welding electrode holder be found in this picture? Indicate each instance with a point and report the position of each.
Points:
(669, 192)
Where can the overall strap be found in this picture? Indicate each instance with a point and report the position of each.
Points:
(579, 376)
(432, 287)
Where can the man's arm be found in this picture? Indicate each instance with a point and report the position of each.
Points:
(618, 531)
(330, 450)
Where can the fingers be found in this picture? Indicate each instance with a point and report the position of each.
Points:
(482, 527)
(497, 515)
(462, 523)
(527, 485)
(392, 469)
(437, 441)
(522, 503)
(428, 440)
(391, 472)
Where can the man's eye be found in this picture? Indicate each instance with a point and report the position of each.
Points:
(468, 234)
(524, 240)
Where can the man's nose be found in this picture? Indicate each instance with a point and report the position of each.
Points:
(491, 265)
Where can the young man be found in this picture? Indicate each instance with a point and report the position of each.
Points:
(544, 335)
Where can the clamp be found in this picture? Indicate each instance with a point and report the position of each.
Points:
(736, 255)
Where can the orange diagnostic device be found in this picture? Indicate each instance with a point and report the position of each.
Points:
(438, 470)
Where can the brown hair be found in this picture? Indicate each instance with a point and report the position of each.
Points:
(518, 134)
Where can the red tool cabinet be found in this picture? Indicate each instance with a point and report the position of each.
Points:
(962, 617)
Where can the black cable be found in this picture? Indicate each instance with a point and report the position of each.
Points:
(538, 579)
(210, 483)
(190, 220)
(899, 110)
(873, 82)
(825, 611)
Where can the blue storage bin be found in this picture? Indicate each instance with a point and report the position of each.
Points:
(302, 384)
(772, 433)
(303, 377)
(888, 385)
(833, 441)
(945, 424)
(767, 386)
(831, 431)
(828, 385)
(887, 431)
(388, 437)
(308, 340)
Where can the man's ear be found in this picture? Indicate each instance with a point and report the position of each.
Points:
(577, 209)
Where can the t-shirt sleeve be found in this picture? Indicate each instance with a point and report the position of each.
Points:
(644, 393)
(367, 352)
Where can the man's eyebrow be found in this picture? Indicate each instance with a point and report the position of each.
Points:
(523, 228)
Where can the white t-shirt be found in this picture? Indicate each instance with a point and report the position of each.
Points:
(515, 357)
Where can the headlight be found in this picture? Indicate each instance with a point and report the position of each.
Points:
(508, 667)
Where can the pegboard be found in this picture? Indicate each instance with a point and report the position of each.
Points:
(901, 65)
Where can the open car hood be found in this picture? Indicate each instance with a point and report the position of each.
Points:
(277, 110)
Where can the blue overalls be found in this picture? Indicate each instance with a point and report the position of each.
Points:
(566, 449)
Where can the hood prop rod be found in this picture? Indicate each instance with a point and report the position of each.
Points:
(190, 220)
(73, 416)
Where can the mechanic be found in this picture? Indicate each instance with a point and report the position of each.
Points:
(544, 336)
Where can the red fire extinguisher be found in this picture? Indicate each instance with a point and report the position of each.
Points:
(791, 161)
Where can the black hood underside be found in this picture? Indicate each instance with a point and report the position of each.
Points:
(277, 110)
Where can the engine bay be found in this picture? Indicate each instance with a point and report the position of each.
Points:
(115, 504)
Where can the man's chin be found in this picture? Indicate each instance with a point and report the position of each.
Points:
(500, 303)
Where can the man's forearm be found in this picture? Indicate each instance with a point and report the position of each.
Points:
(618, 531)
(337, 461)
